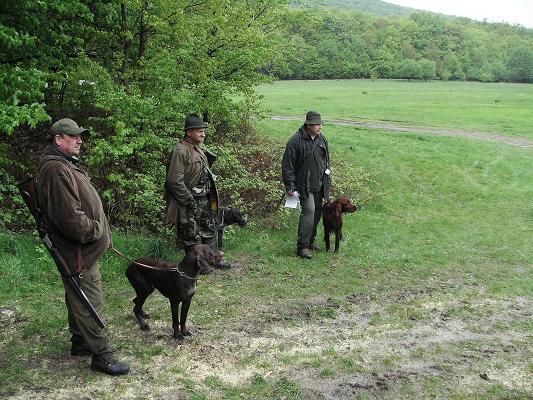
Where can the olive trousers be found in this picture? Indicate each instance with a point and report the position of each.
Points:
(84, 329)
(309, 219)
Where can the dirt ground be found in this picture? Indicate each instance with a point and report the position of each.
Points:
(352, 355)
(515, 141)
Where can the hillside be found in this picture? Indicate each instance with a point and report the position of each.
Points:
(375, 7)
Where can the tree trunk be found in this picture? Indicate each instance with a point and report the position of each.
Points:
(126, 45)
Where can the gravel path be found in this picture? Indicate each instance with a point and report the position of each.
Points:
(515, 141)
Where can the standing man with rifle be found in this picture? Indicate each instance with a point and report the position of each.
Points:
(191, 194)
(78, 228)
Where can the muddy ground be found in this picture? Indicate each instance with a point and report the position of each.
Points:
(441, 345)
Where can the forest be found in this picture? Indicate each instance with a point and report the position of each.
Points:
(131, 70)
(347, 44)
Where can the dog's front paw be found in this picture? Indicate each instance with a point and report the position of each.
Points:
(178, 336)
(145, 327)
(186, 332)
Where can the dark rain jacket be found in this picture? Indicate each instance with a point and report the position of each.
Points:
(296, 160)
(73, 212)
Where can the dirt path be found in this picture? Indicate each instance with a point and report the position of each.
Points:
(515, 141)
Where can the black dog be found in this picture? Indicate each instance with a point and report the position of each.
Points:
(228, 216)
(178, 286)
(332, 218)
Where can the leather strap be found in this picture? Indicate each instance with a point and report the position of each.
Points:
(151, 266)
(79, 260)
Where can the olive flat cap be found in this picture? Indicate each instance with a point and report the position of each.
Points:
(66, 126)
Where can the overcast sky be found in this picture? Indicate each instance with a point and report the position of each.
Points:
(510, 11)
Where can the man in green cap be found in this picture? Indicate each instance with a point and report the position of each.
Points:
(77, 225)
(191, 195)
(306, 173)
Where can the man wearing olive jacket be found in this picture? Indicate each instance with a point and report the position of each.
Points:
(191, 195)
(305, 170)
(74, 215)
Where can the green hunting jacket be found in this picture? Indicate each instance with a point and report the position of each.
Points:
(187, 169)
(295, 165)
(72, 209)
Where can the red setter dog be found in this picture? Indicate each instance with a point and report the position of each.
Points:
(332, 218)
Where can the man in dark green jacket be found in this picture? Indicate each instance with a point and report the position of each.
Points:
(191, 196)
(74, 215)
(306, 172)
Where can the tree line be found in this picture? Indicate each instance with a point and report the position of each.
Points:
(130, 70)
(344, 44)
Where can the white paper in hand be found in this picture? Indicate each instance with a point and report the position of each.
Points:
(292, 201)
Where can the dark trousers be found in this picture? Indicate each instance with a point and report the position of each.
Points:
(83, 327)
(309, 218)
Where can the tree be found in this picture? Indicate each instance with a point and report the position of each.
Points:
(409, 69)
(131, 70)
(428, 69)
(37, 40)
(520, 64)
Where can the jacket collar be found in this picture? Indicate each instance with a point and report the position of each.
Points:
(306, 134)
(52, 150)
(193, 145)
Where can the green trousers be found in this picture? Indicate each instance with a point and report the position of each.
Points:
(82, 326)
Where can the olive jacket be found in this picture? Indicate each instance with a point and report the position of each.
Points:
(72, 209)
(295, 164)
(187, 170)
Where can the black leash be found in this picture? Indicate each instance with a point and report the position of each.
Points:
(151, 266)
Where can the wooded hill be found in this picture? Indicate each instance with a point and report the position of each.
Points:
(376, 7)
(328, 43)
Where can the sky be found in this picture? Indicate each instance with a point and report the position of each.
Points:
(510, 11)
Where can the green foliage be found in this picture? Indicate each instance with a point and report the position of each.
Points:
(409, 69)
(520, 64)
(12, 212)
(130, 71)
(336, 44)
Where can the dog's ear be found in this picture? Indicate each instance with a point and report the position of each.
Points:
(338, 208)
(203, 255)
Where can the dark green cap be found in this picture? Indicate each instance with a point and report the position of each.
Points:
(193, 121)
(66, 126)
(313, 118)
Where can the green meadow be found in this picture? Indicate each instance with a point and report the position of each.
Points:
(430, 296)
(499, 108)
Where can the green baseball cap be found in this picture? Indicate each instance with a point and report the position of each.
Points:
(66, 126)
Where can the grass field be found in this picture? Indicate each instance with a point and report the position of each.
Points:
(430, 296)
(499, 108)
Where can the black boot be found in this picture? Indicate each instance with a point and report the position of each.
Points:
(108, 364)
(223, 265)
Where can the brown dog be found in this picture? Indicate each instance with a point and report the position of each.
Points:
(332, 218)
(178, 286)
